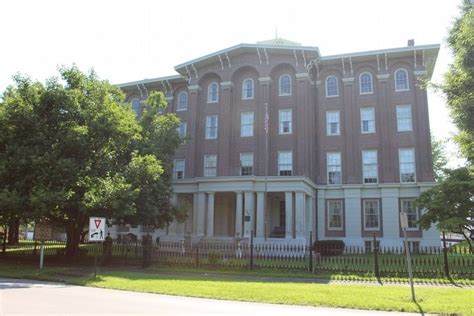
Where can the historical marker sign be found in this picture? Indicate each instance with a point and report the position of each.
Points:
(43, 231)
(96, 228)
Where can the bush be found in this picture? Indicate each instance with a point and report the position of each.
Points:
(329, 247)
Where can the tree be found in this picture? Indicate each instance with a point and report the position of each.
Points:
(459, 80)
(450, 204)
(440, 161)
(83, 154)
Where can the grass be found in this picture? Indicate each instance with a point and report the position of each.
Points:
(231, 286)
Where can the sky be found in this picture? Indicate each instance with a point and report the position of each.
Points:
(125, 41)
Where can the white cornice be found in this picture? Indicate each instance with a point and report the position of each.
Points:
(194, 88)
(265, 79)
(420, 73)
(302, 75)
(348, 80)
(383, 76)
(227, 84)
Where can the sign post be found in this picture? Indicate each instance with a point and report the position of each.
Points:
(43, 231)
(404, 225)
(96, 234)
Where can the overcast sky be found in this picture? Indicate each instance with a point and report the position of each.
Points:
(133, 40)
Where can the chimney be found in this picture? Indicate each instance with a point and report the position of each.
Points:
(411, 42)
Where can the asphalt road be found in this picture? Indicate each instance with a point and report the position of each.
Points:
(25, 297)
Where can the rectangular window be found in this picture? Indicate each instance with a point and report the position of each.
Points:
(285, 163)
(211, 127)
(210, 165)
(371, 214)
(182, 129)
(367, 120)
(369, 166)
(404, 122)
(407, 165)
(335, 216)
(246, 124)
(178, 168)
(246, 164)
(412, 213)
(332, 121)
(369, 244)
(284, 118)
(334, 168)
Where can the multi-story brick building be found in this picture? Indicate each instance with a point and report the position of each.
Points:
(347, 148)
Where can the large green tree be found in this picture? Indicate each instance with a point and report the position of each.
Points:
(77, 151)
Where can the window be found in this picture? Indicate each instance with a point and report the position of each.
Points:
(331, 87)
(212, 92)
(246, 164)
(182, 101)
(407, 164)
(285, 85)
(412, 213)
(332, 121)
(285, 163)
(335, 216)
(210, 165)
(371, 214)
(334, 168)
(178, 169)
(365, 82)
(284, 118)
(136, 107)
(369, 166)
(182, 129)
(401, 80)
(367, 120)
(247, 89)
(211, 127)
(246, 124)
(369, 244)
(404, 118)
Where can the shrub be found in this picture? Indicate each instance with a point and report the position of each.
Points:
(329, 247)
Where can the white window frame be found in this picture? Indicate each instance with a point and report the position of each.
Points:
(333, 166)
(329, 115)
(397, 89)
(285, 114)
(178, 129)
(417, 215)
(369, 164)
(364, 206)
(371, 83)
(400, 162)
(370, 130)
(400, 123)
(210, 94)
(136, 108)
(243, 165)
(330, 215)
(244, 132)
(175, 169)
(209, 128)
(210, 167)
(280, 93)
(327, 87)
(282, 162)
(179, 106)
(244, 89)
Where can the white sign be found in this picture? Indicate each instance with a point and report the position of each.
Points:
(403, 220)
(96, 228)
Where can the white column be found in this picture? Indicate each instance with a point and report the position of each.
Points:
(352, 210)
(390, 217)
(210, 214)
(289, 215)
(194, 225)
(201, 213)
(238, 214)
(300, 211)
(173, 226)
(321, 207)
(260, 215)
(249, 211)
(309, 217)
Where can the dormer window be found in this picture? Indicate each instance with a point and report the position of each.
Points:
(285, 85)
(401, 80)
(182, 101)
(247, 89)
(331, 87)
(212, 93)
(365, 83)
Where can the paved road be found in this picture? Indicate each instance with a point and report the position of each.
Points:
(24, 297)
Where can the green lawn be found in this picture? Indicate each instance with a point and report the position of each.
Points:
(396, 298)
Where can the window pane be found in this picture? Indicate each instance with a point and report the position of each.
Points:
(210, 164)
(211, 127)
(246, 164)
(334, 168)
(401, 80)
(182, 101)
(371, 214)
(335, 219)
(331, 87)
(285, 126)
(404, 122)
(285, 85)
(366, 83)
(369, 166)
(407, 165)
(367, 120)
(285, 163)
(332, 119)
(246, 124)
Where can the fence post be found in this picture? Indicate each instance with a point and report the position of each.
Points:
(376, 259)
(251, 250)
(445, 257)
(310, 252)
(197, 256)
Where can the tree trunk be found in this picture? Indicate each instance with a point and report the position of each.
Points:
(4, 244)
(73, 231)
(13, 232)
(469, 241)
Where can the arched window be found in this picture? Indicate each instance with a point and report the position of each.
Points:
(331, 87)
(285, 85)
(365, 82)
(212, 92)
(182, 101)
(401, 80)
(136, 106)
(247, 89)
